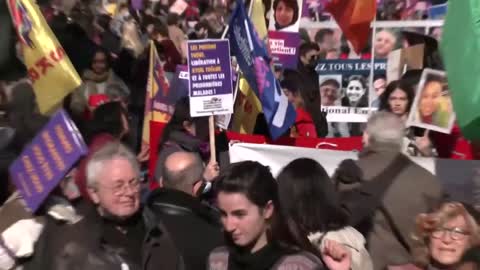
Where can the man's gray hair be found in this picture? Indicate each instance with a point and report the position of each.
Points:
(385, 128)
(108, 152)
(183, 179)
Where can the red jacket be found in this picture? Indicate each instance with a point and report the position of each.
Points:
(304, 124)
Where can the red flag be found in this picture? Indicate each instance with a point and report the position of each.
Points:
(354, 18)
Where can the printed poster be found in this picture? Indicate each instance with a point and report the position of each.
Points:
(284, 48)
(210, 84)
(344, 88)
(47, 159)
(432, 108)
(285, 15)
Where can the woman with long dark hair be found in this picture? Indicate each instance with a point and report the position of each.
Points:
(256, 234)
(397, 98)
(310, 203)
(96, 80)
(310, 121)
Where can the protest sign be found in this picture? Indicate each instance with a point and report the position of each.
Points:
(178, 7)
(285, 15)
(344, 88)
(432, 108)
(401, 60)
(47, 159)
(283, 48)
(210, 85)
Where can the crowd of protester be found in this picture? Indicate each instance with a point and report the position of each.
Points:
(382, 211)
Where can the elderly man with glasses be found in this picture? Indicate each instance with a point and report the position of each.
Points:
(115, 233)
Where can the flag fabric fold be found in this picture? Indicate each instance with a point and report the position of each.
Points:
(354, 18)
(157, 107)
(258, 18)
(460, 51)
(247, 108)
(252, 57)
(49, 68)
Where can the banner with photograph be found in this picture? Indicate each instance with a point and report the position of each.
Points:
(210, 84)
(432, 108)
(284, 48)
(344, 88)
(47, 159)
(285, 15)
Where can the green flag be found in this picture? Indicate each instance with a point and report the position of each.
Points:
(460, 48)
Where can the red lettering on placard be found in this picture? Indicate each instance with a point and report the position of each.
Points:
(33, 74)
(43, 64)
(57, 54)
(248, 107)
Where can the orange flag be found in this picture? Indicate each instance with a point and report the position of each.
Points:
(354, 18)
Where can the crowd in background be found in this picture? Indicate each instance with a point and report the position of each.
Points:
(382, 211)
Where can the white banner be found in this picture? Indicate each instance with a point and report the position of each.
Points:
(278, 156)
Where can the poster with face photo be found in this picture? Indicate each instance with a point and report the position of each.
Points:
(344, 88)
(285, 15)
(432, 108)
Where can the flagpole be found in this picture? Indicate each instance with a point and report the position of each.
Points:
(372, 67)
(152, 60)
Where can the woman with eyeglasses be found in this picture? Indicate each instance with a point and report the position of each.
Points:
(442, 238)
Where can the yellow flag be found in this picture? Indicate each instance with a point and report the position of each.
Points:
(156, 81)
(51, 72)
(111, 9)
(258, 18)
(247, 108)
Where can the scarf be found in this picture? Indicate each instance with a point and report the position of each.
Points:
(89, 75)
(190, 143)
(263, 259)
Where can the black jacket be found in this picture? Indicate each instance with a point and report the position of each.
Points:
(92, 243)
(193, 226)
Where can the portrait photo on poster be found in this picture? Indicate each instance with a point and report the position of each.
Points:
(432, 108)
(330, 90)
(285, 15)
(345, 88)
